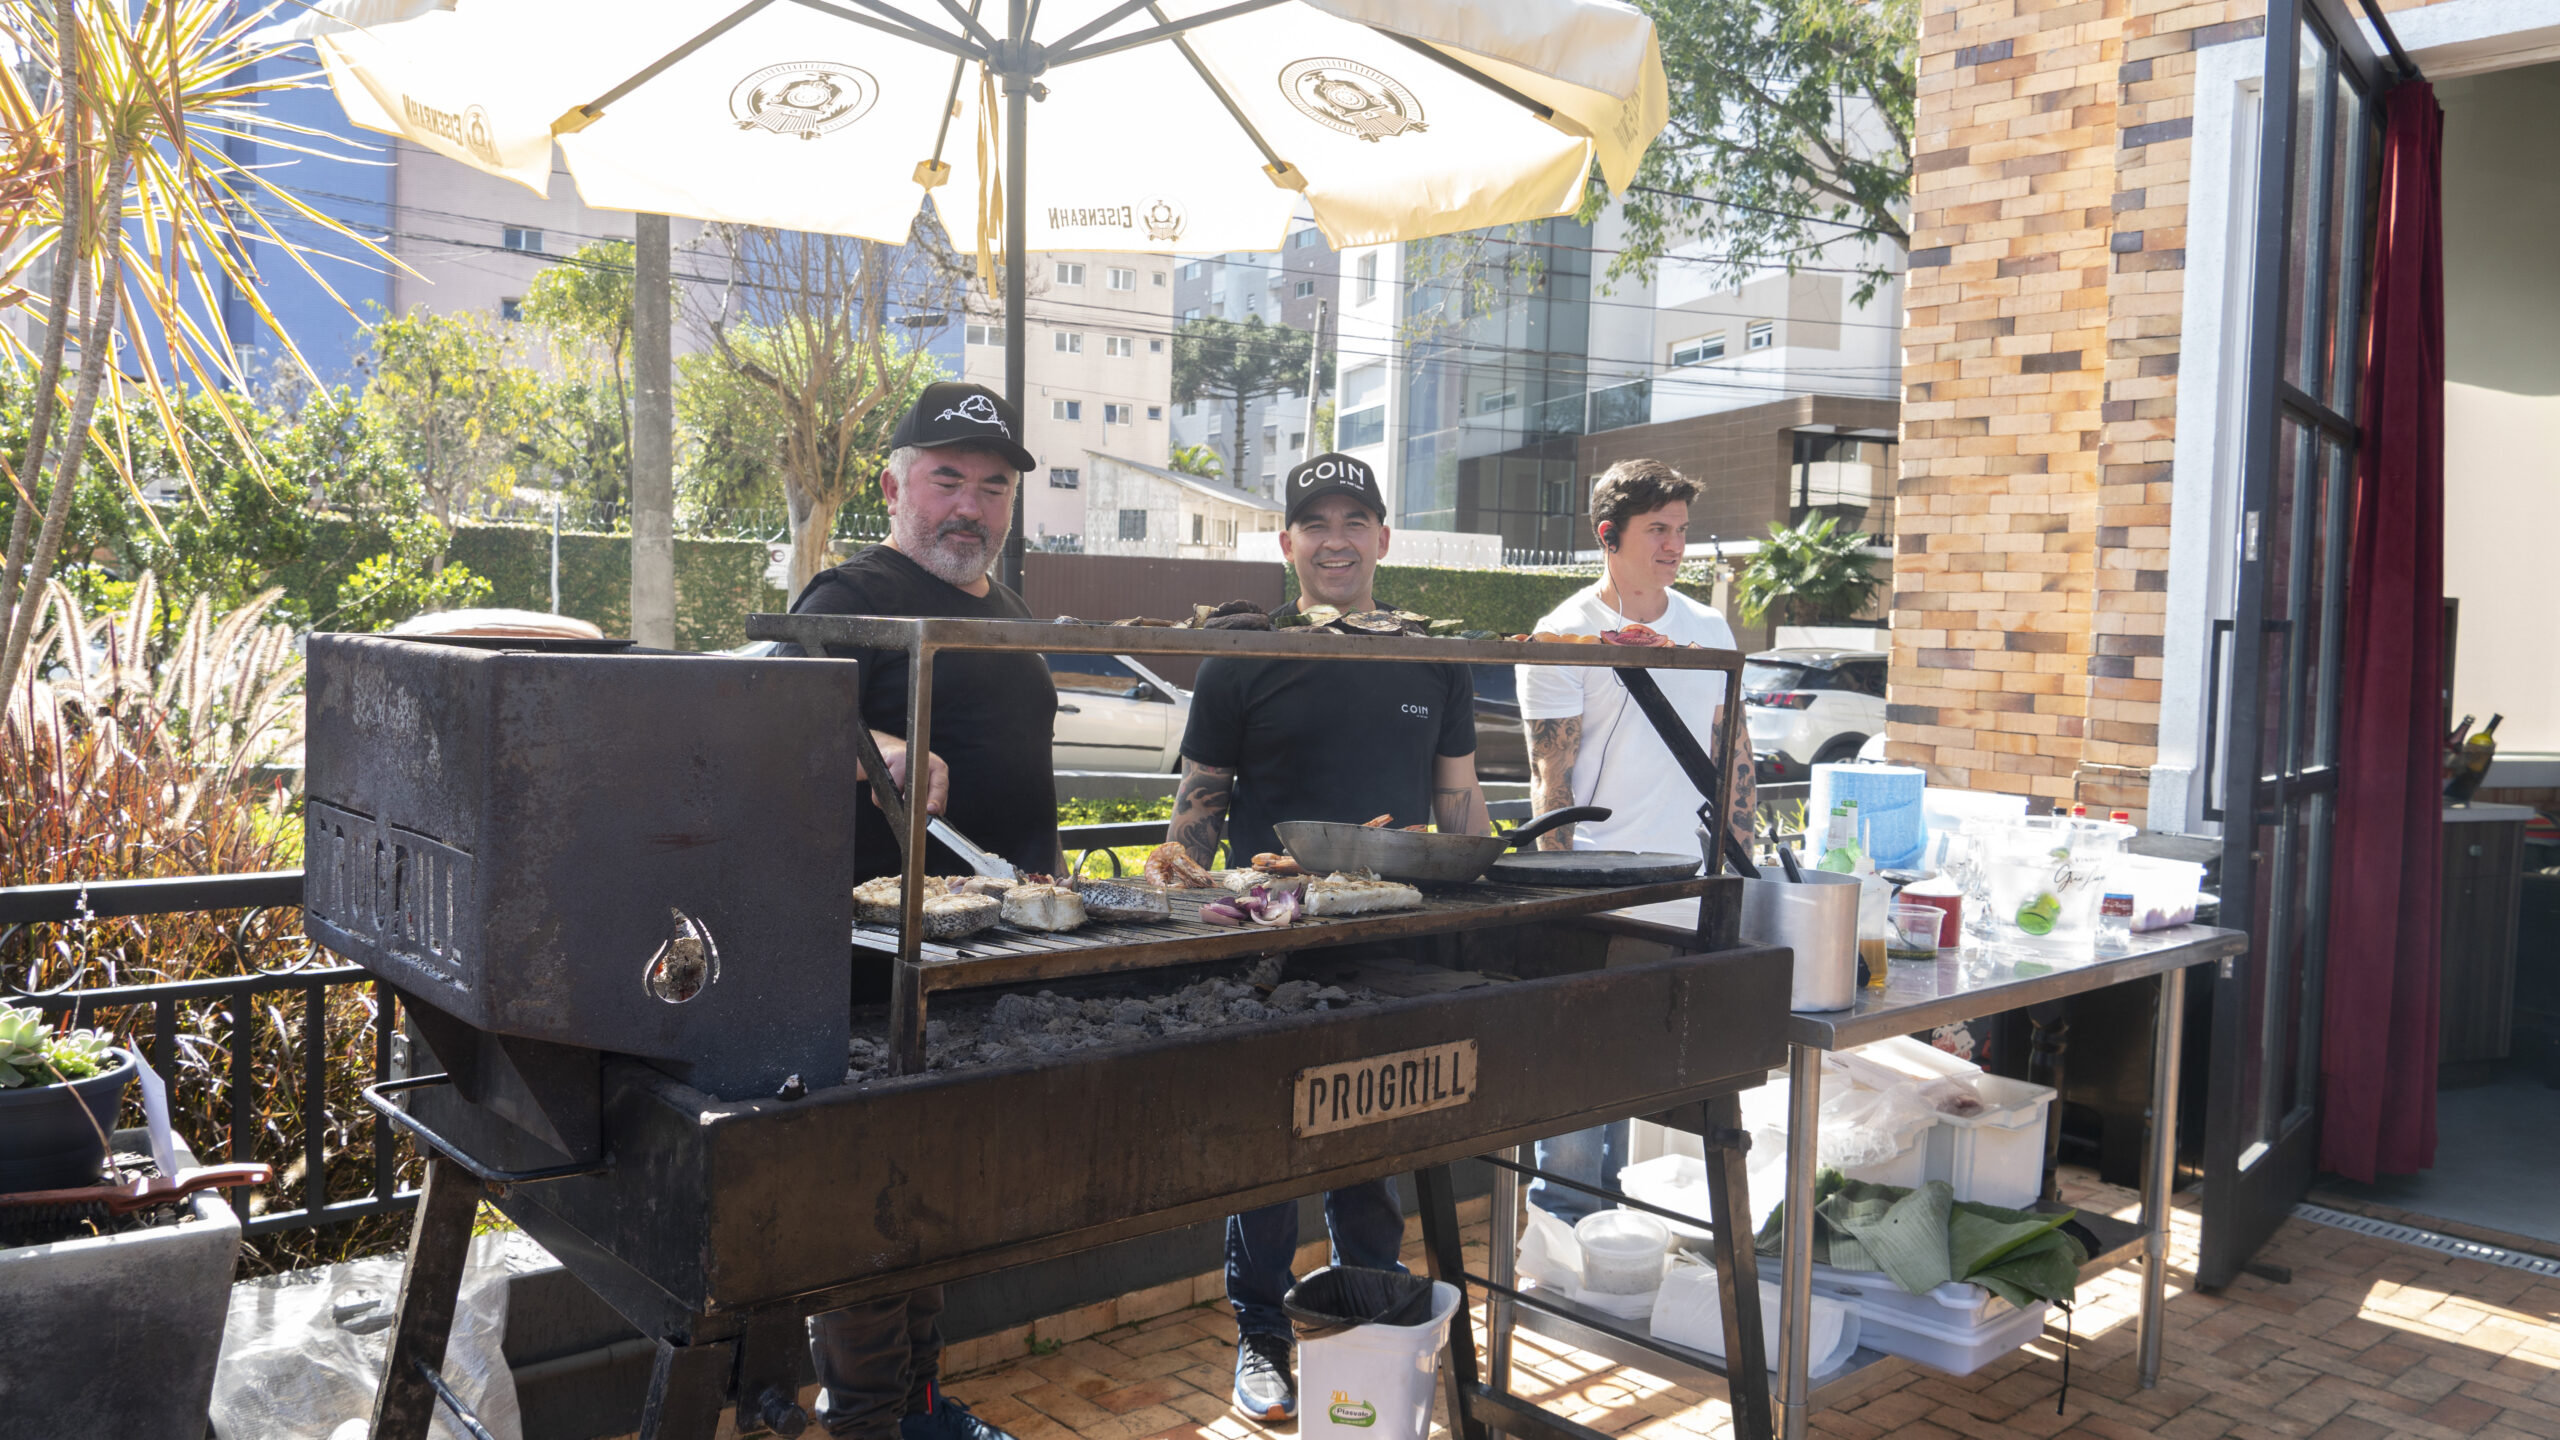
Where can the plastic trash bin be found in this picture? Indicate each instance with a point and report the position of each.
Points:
(1368, 1350)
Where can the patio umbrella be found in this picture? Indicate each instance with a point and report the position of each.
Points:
(1164, 124)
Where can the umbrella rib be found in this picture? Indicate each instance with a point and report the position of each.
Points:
(1278, 169)
(584, 115)
(969, 21)
(951, 101)
(1104, 21)
(899, 24)
(1434, 52)
(1167, 29)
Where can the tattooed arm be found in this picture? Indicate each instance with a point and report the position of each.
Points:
(1746, 801)
(1553, 747)
(1200, 809)
(1457, 800)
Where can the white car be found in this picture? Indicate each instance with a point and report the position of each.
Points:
(1810, 707)
(1116, 714)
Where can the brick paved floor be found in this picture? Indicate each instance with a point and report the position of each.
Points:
(2369, 1339)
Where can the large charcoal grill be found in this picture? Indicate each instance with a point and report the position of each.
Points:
(714, 1201)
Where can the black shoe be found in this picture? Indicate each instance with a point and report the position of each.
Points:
(1266, 1389)
(946, 1419)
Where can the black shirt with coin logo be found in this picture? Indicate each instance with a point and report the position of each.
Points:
(1341, 740)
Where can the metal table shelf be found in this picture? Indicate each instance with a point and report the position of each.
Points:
(1975, 983)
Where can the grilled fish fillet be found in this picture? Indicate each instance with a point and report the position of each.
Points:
(1348, 895)
(1241, 881)
(1043, 907)
(875, 902)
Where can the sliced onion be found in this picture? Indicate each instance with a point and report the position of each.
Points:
(1219, 912)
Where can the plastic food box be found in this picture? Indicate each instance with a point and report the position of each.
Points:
(1957, 1328)
(1997, 1156)
(2164, 891)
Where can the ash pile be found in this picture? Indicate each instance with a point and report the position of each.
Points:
(1016, 1027)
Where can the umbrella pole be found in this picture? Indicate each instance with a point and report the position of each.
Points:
(1017, 122)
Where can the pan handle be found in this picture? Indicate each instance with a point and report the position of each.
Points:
(1570, 815)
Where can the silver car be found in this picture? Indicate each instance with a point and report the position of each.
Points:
(1116, 714)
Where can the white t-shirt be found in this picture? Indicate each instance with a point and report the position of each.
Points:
(1623, 764)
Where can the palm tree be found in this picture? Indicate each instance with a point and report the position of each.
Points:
(150, 222)
(1806, 574)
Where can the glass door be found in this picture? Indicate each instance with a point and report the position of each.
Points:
(2318, 159)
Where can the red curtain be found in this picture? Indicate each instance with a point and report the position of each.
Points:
(2378, 1036)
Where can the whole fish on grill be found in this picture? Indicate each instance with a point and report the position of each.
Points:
(1125, 900)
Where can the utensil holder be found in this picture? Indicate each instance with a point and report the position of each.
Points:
(1818, 920)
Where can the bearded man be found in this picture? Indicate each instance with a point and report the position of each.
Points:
(953, 465)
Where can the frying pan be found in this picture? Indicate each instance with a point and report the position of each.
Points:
(1322, 846)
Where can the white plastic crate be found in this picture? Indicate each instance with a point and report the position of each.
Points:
(1957, 1328)
(1996, 1157)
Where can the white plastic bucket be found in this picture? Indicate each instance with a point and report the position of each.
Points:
(1374, 1382)
(1817, 919)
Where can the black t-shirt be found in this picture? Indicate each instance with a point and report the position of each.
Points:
(1327, 739)
(992, 715)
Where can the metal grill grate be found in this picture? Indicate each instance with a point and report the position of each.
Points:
(2430, 1240)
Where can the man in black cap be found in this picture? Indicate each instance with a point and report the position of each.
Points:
(1341, 740)
(953, 466)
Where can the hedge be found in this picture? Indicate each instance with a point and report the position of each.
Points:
(1509, 602)
(718, 582)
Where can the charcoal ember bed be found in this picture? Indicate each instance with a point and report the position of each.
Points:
(1016, 1026)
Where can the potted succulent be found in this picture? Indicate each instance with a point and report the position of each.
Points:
(59, 1093)
(150, 1297)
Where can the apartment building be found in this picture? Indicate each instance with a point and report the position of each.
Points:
(1489, 378)
(1098, 367)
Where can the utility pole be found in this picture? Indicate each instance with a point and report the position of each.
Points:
(653, 420)
(1315, 367)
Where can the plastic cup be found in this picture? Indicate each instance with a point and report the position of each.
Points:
(1912, 931)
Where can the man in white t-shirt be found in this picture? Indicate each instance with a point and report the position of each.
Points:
(1589, 743)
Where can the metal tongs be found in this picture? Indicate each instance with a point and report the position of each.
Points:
(884, 793)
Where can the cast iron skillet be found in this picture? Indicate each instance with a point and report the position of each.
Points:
(1322, 847)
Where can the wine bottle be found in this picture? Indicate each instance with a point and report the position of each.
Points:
(2472, 766)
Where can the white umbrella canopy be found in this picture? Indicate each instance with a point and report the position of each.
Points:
(1184, 124)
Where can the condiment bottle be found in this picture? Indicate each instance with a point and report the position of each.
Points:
(2115, 922)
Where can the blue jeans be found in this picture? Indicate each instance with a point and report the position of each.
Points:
(1365, 1223)
(1594, 1156)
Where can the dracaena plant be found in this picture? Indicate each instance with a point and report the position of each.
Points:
(122, 188)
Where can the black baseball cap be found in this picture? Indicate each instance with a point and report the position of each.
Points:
(955, 412)
(1331, 474)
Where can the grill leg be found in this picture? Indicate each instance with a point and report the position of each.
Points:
(439, 1243)
(1447, 1261)
(1737, 1268)
(688, 1388)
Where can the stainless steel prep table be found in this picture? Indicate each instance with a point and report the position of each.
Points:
(1917, 997)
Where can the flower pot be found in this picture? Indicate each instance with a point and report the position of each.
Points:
(53, 1136)
(118, 1334)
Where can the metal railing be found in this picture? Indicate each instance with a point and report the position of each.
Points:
(28, 905)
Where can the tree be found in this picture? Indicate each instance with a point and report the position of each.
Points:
(582, 305)
(138, 103)
(1239, 362)
(1790, 132)
(1806, 574)
(451, 397)
(804, 319)
(1200, 460)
